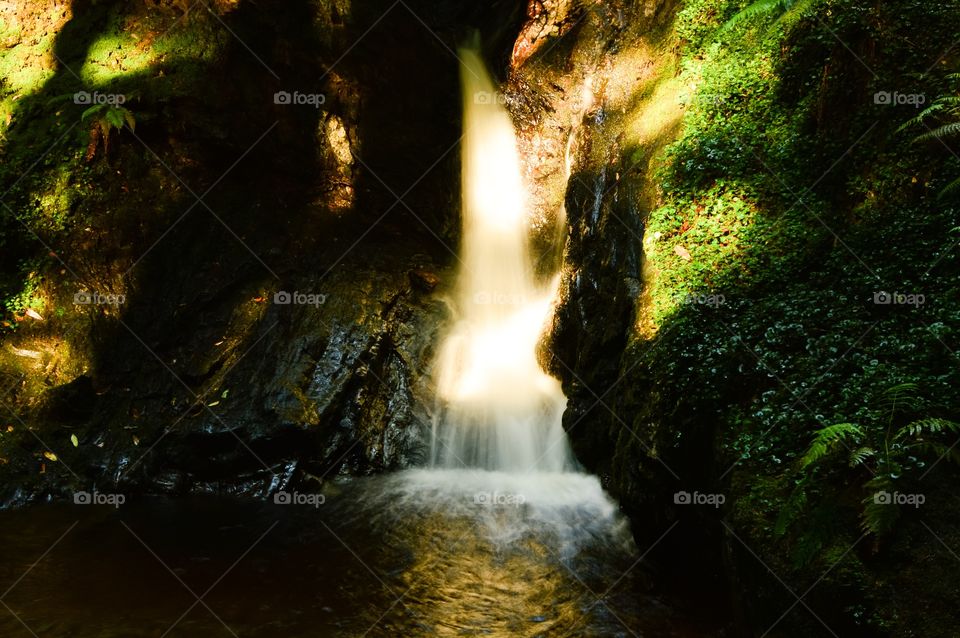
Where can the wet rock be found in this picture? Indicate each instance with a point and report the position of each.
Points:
(423, 280)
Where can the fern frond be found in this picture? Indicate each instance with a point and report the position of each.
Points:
(826, 440)
(792, 509)
(860, 455)
(822, 527)
(947, 130)
(794, 11)
(939, 450)
(900, 396)
(759, 7)
(949, 188)
(879, 514)
(93, 110)
(928, 426)
(114, 117)
(878, 518)
(933, 109)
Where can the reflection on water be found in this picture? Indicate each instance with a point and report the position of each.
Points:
(439, 553)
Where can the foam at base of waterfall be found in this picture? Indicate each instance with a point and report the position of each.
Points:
(568, 508)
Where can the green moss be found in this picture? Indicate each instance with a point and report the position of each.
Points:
(786, 202)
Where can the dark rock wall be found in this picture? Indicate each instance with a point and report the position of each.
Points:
(199, 382)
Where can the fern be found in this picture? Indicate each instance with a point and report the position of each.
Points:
(898, 396)
(927, 426)
(949, 188)
(792, 509)
(940, 133)
(861, 455)
(879, 517)
(939, 450)
(823, 528)
(103, 119)
(827, 440)
(945, 113)
(944, 105)
(887, 452)
(788, 10)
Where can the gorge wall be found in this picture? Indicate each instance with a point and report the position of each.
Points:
(734, 200)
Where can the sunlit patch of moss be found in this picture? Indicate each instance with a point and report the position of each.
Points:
(692, 243)
(25, 68)
(135, 48)
(656, 117)
(56, 202)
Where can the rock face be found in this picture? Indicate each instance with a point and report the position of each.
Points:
(580, 73)
(279, 227)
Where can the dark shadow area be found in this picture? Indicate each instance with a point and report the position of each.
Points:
(199, 375)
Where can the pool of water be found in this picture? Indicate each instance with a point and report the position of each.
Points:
(419, 553)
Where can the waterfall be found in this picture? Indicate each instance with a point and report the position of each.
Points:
(499, 409)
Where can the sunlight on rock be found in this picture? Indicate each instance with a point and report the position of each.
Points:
(337, 139)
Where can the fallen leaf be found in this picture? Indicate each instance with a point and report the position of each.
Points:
(136, 440)
(74, 440)
(33, 314)
(50, 456)
(682, 252)
(224, 394)
(210, 405)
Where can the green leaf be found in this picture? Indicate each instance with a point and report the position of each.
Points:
(114, 117)
(827, 440)
(927, 426)
(860, 455)
(947, 130)
(74, 440)
(93, 110)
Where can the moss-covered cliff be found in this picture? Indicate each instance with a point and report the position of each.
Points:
(758, 251)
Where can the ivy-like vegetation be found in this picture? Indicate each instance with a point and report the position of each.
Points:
(804, 265)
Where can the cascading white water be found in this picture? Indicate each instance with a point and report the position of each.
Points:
(500, 410)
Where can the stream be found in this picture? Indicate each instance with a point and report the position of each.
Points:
(418, 553)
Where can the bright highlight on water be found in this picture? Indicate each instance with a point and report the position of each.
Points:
(500, 410)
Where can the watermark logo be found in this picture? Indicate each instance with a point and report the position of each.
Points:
(297, 298)
(286, 98)
(895, 98)
(297, 498)
(882, 298)
(697, 498)
(704, 299)
(86, 98)
(492, 499)
(86, 298)
(489, 97)
(898, 498)
(99, 498)
(495, 298)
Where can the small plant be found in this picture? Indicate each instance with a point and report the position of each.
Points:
(787, 10)
(886, 452)
(944, 114)
(102, 120)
